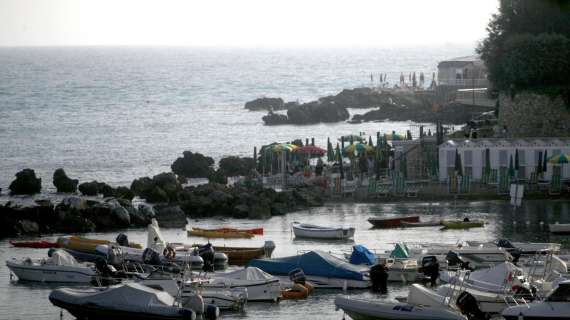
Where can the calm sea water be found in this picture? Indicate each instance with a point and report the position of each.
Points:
(116, 114)
(30, 301)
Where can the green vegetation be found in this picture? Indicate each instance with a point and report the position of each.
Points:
(528, 46)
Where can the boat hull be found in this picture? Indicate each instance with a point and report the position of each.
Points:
(324, 233)
(48, 273)
(329, 283)
(559, 228)
(392, 222)
(220, 234)
(459, 224)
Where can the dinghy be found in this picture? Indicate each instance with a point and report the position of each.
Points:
(40, 244)
(462, 224)
(368, 310)
(255, 231)
(260, 286)
(521, 247)
(59, 267)
(560, 228)
(392, 222)
(495, 279)
(303, 230)
(127, 301)
(226, 234)
(406, 224)
(321, 270)
(555, 306)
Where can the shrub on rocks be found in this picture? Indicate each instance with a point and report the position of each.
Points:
(63, 183)
(235, 166)
(26, 182)
(193, 165)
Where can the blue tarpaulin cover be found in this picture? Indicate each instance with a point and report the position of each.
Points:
(361, 255)
(314, 263)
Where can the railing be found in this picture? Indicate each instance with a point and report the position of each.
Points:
(477, 83)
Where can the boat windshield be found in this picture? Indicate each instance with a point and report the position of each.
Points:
(561, 294)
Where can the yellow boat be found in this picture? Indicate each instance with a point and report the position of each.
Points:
(219, 234)
(86, 244)
(461, 224)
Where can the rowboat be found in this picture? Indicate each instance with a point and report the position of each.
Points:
(242, 255)
(392, 222)
(303, 230)
(85, 244)
(255, 231)
(406, 224)
(460, 224)
(560, 228)
(219, 234)
(40, 244)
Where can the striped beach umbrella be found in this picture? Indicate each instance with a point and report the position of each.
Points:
(559, 159)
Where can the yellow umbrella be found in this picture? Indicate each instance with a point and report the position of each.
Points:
(559, 159)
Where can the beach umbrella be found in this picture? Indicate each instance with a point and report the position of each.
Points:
(458, 167)
(517, 166)
(254, 156)
(351, 140)
(341, 143)
(559, 159)
(338, 158)
(394, 136)
(358, 148)
(278, 148)
(310, 150)
(487, 161)
(544, 167)
(539, 163)
(330, 151)
(511, 167)
(370, 141)
(354, 137)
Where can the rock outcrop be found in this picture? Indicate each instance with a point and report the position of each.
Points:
(26, 182)
(266, 104)
(235, 166)
(95, 188)
(193, 165)
(63, 183)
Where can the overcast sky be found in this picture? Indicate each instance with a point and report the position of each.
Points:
(244, 22)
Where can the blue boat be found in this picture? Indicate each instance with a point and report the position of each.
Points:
(322, 269)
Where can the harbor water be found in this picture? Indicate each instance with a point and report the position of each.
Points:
(20, 300)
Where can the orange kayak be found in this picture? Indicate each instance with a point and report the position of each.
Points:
(256, 231)
(219, 234)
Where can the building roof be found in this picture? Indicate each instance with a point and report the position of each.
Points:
(547, 142)
(460, 62)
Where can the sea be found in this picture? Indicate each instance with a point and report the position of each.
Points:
(114, 114)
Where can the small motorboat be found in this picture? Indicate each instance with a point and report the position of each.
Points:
(260, 286)
(303, 230)
(494, 279)
(254, 231)
(227, 234)
(87, 245)
(127, 301)
(555, 306)
(521, 247)
(59, 267)
(392, 222)
(407, 224)
(40, 244)
(367, 310)
(321, 269)
(462, 224)
(559, 228)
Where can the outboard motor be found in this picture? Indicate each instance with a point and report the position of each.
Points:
(430, 268)
(454, 259)
(150, 256)
(115, 256)
(468, 306)
(379, 277)
(504, 243)
(207, 253)
(297, 276)
(122, 240)
(103, 268)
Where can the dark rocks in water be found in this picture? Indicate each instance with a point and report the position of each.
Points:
(170, 216)
(63, 183)
(108, 215)
(26, 182)
(163, 187)
(142, 186)
(193, 165)
(142, 216)
(265, 104)
(124, 193)
(95, 188)
(235, 166)
(273, 119)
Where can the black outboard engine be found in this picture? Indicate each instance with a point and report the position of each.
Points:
(516, 254)
(504, 243)
(430, 269)
(115, 256)
(379, 277)
(122, 240)
(468, 306)
(150, 256)
(297, 276)
(454, 259)
(207, 253)
(103, 268)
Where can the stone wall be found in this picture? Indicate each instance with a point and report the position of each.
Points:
(534, 115)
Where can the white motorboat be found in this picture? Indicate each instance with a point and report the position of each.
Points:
(401, 270)
(494, 279)
(522, 247)
(127, 301)
(260, 285)
(556, 306)
(304, 230)
(488, 302)
(137, 255)
(559, 228)
(367, 310)
(59, 267)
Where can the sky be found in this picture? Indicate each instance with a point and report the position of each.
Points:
(243, 22)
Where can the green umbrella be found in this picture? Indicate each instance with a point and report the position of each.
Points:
(539, 163)
(458, 167)
(254, 156)
(487, 161)
(338, 157)
(517, 166)
(544, 167)
(370, 141)
(330, 151)
(511, 167)
(559, 159)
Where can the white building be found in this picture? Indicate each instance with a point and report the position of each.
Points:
(500, 150)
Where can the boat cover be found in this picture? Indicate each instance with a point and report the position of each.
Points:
(131, 297)
(155, 240)
(498, 274)
(248, 273)
(361, 255)
(400, 251)
(62, 258)
(313, 263)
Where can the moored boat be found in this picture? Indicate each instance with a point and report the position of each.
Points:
(555, 306)
(407, 224)
(254, 231)
(219, 234)
(302, 230)
(260, 286)
(559, 228)
(392, 222)
(462, 224)
(59, 267)
(86, 244)
(39, 244)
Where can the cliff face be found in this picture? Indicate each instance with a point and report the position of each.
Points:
(534, 115)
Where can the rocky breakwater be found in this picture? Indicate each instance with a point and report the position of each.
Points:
(268, 104)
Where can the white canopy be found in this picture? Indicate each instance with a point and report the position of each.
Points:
(155, 240)
(62, 258)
